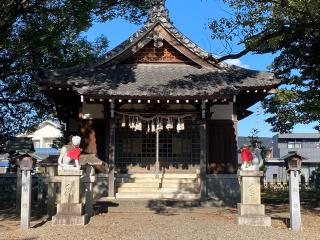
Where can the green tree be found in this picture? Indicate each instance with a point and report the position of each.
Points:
(290, 29)
(47, 34)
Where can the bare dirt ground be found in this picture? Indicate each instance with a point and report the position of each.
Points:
(155, 221)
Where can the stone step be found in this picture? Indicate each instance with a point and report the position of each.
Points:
(157, 184)
(154, 180)
(152, 175)
(137, 184)
(157, 190)
(142, 195)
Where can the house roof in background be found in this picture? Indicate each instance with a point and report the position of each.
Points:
(299, 135)
(4, 164)
(29, 133)
(266, 141)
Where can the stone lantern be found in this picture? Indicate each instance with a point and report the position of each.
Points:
(25, 162)
(293, 163)
(21, 152)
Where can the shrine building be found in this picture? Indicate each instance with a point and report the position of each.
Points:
(157, 106)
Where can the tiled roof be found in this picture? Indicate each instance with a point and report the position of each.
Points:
(165, 80)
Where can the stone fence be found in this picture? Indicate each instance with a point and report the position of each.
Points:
(10, 190)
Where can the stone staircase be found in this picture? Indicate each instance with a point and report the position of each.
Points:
(167, 186)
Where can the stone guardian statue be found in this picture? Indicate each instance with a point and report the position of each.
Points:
(70, 154)
(251, 162)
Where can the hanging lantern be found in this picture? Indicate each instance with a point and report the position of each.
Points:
(169, 124)
(123, 124)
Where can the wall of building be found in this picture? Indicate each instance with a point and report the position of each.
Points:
(94, 111)
(275, 173)
(222, 112)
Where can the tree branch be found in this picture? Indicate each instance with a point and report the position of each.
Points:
(233, 56)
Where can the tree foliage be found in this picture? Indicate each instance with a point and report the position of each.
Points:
(290, 29)
(47, 34)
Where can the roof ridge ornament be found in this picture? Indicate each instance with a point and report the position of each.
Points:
(158, 12)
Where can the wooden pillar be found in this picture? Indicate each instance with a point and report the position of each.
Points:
(203, 159)
(235, 120)
(235, 127)
(203, 151)
(157, 154)
(111, 165)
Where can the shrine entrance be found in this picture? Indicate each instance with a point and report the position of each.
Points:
(178, 152)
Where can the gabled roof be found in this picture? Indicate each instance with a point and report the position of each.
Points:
(111, 76)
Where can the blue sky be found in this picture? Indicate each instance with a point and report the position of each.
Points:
(191, 17)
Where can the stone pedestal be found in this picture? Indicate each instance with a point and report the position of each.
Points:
(250, 210)
(70, 210)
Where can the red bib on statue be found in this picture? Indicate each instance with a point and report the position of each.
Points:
(74, 153)
(246, 155)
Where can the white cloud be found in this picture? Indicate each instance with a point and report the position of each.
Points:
(236, 62)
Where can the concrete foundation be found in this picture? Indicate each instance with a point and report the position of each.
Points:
(263, 221)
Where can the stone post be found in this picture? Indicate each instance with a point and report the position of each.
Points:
(295, 214)
(88, 180)
(51, 198)
(26, 199)
(70, 210)
(250, 210)
(18, 192)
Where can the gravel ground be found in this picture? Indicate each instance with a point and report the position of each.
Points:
(198, 223)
